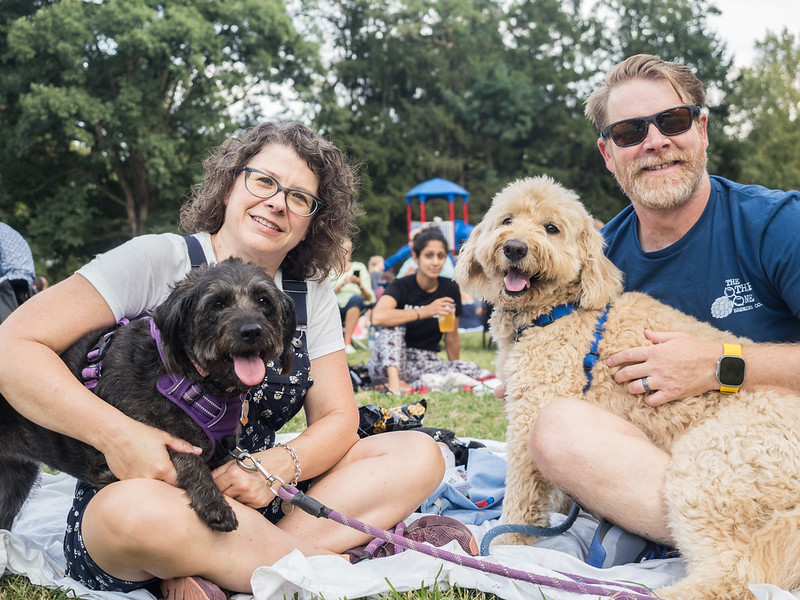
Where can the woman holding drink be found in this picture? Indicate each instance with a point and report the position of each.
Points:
(413, 315)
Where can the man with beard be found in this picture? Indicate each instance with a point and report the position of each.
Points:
(727, 253)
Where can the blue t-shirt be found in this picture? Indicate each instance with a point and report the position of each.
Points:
(737, 268)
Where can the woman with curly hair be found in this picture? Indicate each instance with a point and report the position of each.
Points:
(282, 197)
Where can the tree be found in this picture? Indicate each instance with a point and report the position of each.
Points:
(457, 89)
(670, 29)
(766, 107)
(485, 92)
(108, 108)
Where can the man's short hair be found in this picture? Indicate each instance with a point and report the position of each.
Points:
(644, 66)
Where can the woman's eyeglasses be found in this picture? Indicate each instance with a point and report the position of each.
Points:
(672, 121)
(265, 186)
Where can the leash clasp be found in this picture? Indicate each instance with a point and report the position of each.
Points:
(242, 456)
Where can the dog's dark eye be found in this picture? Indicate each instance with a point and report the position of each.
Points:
(507, 221)
(551, 229)
(217, 302)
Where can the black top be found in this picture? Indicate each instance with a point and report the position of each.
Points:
(423, 334)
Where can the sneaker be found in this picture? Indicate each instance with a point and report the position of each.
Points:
(612, 545)
(190, 588)
(436, 530)
(348, 349)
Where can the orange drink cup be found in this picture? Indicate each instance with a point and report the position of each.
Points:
(447, 322)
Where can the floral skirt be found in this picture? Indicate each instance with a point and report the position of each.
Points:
(390, 351)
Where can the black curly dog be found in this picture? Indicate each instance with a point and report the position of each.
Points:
(218, 328)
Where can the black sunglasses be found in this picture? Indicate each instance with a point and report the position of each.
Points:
(672, 121)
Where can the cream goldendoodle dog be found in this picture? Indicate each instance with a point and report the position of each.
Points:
(733, 486)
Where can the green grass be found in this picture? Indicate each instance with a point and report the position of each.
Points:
(465, 413)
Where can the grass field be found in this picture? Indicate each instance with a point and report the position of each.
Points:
(465, 413)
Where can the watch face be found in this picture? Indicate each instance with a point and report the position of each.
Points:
(730, 371)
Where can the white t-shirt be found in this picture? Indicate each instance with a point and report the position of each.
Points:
(137, 276)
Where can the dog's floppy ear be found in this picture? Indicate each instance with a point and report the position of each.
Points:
(469, 272)
(289, 324)
(173, 318)
(601, 281)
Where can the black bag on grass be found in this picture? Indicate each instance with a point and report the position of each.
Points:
(374, 419)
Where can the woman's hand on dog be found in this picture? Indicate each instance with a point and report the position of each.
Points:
(140, 451)
(249, 487)
(677, 366)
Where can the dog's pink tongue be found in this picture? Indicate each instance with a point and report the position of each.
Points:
(249, 369)
(516, 281)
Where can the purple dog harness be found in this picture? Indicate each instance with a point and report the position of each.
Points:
(218, 417)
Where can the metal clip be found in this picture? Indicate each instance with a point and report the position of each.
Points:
(255, 465)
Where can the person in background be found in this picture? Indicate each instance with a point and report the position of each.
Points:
(17, 271)
(408, 317)
(726, 253)
(353, 289)
(282, 197)
(409, 266)
(471, 314)
(376, 268)
(385, 279)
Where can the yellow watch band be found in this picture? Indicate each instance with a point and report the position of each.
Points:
(730, 350)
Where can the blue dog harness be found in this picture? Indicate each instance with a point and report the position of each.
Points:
(590, 360)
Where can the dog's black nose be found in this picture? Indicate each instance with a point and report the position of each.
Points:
(515, 249)
(250, 332)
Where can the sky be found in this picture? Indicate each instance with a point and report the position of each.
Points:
(743, 22)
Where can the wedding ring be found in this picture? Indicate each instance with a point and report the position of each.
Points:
(646, 386)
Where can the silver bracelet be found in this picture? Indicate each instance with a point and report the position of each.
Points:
(297, 470)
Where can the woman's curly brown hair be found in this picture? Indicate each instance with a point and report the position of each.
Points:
(322, 249)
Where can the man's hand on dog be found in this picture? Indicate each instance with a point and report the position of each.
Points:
(140, 451)
(677, 366)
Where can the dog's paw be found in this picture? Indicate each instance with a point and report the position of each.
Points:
(218, 517)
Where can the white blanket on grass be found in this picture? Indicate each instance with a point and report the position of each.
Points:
(34, 549)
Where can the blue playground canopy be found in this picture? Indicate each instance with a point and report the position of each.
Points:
(435, 188)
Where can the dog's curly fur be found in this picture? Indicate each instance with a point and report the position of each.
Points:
(214, 314)
(733, 483)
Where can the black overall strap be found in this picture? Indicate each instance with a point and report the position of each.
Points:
(196, 255)
(297, 291)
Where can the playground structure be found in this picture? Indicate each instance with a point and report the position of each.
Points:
(455, 231)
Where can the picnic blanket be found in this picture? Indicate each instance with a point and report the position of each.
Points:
(34, 549)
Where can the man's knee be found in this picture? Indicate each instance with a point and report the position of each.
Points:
(558, 433)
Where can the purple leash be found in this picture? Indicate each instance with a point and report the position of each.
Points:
(576, 583)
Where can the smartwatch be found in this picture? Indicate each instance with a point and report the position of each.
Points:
(730, 369)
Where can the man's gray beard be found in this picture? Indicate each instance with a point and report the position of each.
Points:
(673, 192)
